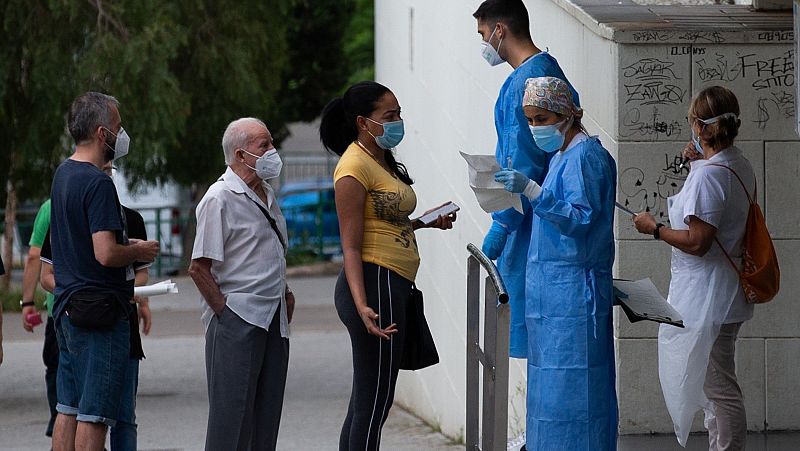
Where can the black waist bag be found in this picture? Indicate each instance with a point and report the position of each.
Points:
(94, 309)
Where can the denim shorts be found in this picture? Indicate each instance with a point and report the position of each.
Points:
(91, 370)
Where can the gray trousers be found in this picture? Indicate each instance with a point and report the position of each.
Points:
(246, 370)
(728, 431)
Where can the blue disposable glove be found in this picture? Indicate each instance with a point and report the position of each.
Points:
(495, 241)
(513, 181)
(517, 182)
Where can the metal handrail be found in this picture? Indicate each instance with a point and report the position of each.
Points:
(491, 270)
(486, 428)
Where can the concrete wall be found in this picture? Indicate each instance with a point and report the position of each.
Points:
(635, 90)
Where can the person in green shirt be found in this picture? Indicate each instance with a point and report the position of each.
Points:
(30, 278)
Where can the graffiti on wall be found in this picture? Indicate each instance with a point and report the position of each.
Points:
(656, 85)
(648, 191)
(763, 81)
(653, 90)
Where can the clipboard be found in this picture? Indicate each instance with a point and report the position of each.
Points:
(641, 301)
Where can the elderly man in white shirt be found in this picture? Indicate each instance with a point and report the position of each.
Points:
(239, 266)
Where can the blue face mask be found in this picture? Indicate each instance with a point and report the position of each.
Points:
(697, 145)
(393, 133)
(549, 138)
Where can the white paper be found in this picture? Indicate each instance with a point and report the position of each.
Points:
(491, 195)
(157, 289)
(645, 300)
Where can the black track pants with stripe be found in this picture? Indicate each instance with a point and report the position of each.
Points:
(375, 361)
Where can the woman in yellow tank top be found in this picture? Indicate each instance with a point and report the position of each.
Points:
(374, 199)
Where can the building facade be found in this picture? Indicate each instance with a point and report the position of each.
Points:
(636, 68)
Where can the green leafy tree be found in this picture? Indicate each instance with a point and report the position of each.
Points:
(38, 73)
(359, 48)
(317, 36)
(231, 66)
(181, 70)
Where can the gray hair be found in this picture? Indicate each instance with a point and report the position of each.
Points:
(89, 111)
(236, 136)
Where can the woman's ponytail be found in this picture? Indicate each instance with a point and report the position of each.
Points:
(335, 131)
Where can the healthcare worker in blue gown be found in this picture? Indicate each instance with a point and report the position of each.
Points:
(505, 30)
(572, 403)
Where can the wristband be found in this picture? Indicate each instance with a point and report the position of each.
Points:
(23, 303)
(656, 233)
(532, 190)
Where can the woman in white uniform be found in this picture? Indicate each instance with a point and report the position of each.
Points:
(707, 221)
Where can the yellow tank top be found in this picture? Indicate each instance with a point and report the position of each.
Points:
(389, 239)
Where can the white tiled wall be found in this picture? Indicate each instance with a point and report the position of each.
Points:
(635, 98)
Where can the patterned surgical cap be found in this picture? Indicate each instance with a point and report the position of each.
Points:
(549, 93)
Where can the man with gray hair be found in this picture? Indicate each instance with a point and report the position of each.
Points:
(239, 266)
(92, 258)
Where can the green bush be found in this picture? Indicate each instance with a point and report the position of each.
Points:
(10, 299)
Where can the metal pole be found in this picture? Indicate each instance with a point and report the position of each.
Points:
(500, 352)
(489, 367)
(486, 421)
(473, 349)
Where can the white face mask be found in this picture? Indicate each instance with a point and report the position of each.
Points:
(121, 145)
(489, 53)
(268, 166)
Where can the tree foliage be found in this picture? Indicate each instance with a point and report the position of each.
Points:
(181, 70)
(359, 47)
(318, 65)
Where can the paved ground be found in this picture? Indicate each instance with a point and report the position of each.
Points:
(172, 402)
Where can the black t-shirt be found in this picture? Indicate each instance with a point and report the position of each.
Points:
(136, 229)
(84, 201)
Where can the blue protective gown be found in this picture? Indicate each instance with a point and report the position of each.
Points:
(514, 140)
(572, 403)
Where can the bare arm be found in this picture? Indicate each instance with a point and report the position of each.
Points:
(695, 241)
(200, 271)
(350, 198)
(109, 253)
(142, 276)
(48, 278)
(29, 279)
(145, 316)
(31, 274)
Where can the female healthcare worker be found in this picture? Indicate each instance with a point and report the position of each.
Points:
(695, 364)
(572, 403)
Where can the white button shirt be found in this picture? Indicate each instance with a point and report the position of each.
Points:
(248, 259)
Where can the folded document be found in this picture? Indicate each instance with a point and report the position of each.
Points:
(165, 287)
(641, 301)
(491, 195)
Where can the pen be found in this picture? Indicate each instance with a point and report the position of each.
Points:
(625, 209)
